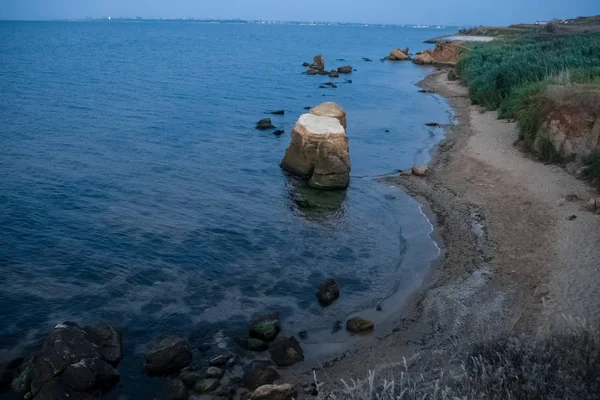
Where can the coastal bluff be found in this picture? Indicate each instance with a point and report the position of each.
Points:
(319, 150)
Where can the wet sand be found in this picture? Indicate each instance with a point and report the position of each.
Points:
(514, 259)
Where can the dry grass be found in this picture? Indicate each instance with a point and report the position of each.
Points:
(563, 365)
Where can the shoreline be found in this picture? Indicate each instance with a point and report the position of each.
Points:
(501, 219)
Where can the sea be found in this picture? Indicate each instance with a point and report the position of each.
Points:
(135, 189)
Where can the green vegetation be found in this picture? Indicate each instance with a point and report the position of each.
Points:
(513, 75)
(561, 366)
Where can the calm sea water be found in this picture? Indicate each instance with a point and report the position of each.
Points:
(134, 188)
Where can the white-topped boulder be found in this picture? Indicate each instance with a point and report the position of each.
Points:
(319, 151)
(330, 109)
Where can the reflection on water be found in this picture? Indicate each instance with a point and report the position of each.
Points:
(313, 204)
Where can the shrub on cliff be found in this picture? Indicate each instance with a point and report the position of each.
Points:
(562, 366)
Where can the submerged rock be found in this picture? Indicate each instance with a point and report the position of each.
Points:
(206, 385)
(278, 132)
(266, 327)
(253, 344)
(275, 392)
(214, 372)
(175, 389)
(286, 351)
(319, 151)
(168, 356)
(328, 292)
(358, 325)
(277, 112)
(259, 373)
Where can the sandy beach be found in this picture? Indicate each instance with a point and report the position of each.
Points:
(520, 255)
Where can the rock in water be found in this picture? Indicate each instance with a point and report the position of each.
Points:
(334, 74)
(312, 71)
(264, 124)
(206, 385)
(305, 64)
(277, 112)
(259, 373)
(109, 341)
(72, 364)
(168, 356)
(405, 50)
(175, 389)
(278, 132)
(332, 110)
(275, 392)
(286, 351)
(328, 292)
(319, 151)
(358, 325)
(424, 58)
(266, 327)
(318, 62)
(398, 55)
(345, 69)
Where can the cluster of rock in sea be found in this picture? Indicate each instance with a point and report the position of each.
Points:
(318, 68)
(78, 362)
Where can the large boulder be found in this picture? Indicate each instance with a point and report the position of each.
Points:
(168, 356)
(275, 392)
(319, 151)
(332, 110)
(286, 351)
(74, 362)
(328, 292)
(424, 58)
(398, 55)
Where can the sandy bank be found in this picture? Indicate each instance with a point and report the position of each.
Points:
(514, 258)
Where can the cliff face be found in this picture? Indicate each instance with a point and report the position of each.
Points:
(572, 122)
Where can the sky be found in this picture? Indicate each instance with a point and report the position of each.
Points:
(439, 12)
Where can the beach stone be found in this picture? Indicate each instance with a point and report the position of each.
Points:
(190, 377)
(424, 59)
(109, 341)
(419, 170)
(332, 110)
(398, 55)
(318, 62)
(347, 69)
(259, 373)
(358, 325)
(319, 151)
(275, 392)
(168, 356)
(175, 389)
(286, 351)
(206, 385)
(328, 292)
(214, 372)
(71, 365)
(266, 327)
(452, 76)
(334, 74)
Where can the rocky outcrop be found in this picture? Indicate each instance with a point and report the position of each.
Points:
(74, 364)
(168, 356)
(424, 58)
(319, 149)
(328, 292)
(398, 55)
(318, 62)
(332, 110)
(359, 325)
(286, 351)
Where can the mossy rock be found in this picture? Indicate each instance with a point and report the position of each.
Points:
(266, 327)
